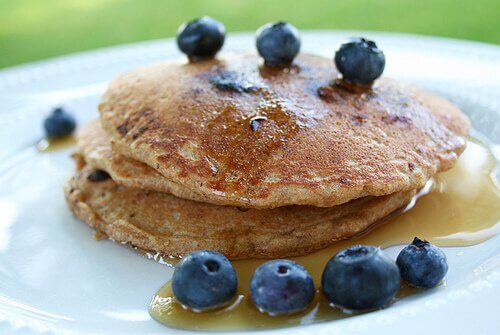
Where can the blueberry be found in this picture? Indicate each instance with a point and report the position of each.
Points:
(360, 277)
(256, 121)
(281, 287)
(59, 124)
(360, 61)
(278, 43)
(98, 175)
(201, 38)
(422, 264)
(204, 280)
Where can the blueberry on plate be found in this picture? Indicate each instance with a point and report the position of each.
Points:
(278, 43)
(59, 124)
(281, 287)
(360, 61)
(422, 264)
(201, 38)
(204, 280)
(360, 278)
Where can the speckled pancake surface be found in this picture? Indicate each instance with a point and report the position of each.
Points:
(242, 134)
(173, 226)
(94, 147)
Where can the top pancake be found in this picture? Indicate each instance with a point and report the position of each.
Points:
(316, 143)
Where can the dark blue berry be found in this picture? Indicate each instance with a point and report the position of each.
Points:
(201, 38)
(360, 61)
(278, 43)
(360, 278)
(59, 124)
(204, 280)
(256, 121)
(422, 264)
(98, 175)
(281, 287)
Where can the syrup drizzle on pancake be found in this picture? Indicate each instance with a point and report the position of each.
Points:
(196, 131)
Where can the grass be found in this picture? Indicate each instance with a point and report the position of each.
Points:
(37, 29)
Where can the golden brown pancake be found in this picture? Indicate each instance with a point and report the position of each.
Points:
(93, 145)
(173, 226)
(242, 134)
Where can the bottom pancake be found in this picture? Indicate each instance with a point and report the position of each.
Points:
(173, 226)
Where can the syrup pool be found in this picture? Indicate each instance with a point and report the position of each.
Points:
(55, 144)
(460, 207)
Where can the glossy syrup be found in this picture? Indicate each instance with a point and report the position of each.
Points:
(50, 145)
(461, 207)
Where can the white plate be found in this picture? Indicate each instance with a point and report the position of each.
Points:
(55, 278)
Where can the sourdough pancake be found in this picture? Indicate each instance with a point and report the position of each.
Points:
(173, 226)
(237, 133)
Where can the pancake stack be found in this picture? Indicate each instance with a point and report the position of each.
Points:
(253, 161)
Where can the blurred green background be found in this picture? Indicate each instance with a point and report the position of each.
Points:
(37, 29)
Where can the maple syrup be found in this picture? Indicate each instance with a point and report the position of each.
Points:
(55, 144)
(460, 207)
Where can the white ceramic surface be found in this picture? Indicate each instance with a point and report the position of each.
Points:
(54, 278)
